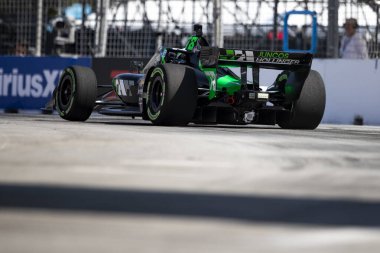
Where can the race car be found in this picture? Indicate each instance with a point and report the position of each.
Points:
(201, 84)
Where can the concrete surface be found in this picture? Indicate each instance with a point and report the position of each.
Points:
(121, 185)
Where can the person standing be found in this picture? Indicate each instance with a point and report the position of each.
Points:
(352, 44)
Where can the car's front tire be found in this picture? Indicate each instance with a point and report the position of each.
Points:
(76, 93)
(171, 95)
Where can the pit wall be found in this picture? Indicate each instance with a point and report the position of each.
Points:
(352, 88)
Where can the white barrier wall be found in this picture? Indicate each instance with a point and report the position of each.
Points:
(352, 88)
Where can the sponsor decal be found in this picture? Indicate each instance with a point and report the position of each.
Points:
(123, 87)
(16, 84)
(276, 58)
(191, 43)
(28, 82)
(277, 61)
(259, 95)
(262, 95)
(280, 55)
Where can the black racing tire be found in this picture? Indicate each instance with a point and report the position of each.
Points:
(171, 95)
(76, 93)
(308, 110)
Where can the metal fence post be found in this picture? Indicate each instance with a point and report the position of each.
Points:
(275, 26)
(39, 28)
(103, 28)
(333, 30)
(377, 33)
(218, 26)
(159, 30)
(97, 26)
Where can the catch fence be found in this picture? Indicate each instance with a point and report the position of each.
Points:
(137, 28)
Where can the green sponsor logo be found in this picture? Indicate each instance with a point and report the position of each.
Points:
(192, 43)
(279, 55)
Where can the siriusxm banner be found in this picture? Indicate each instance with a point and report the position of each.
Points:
(28, 82)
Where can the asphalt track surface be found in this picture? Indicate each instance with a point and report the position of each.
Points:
(120, 185)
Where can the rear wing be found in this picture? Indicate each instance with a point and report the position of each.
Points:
(211, 57)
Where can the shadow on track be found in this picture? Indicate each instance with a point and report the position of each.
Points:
(297, 211)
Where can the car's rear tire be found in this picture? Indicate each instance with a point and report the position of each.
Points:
(171, 95)
(307, 111)
(76, 93)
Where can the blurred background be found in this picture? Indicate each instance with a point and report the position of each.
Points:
(136, 28)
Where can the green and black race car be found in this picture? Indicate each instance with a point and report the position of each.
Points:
(204, 85)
